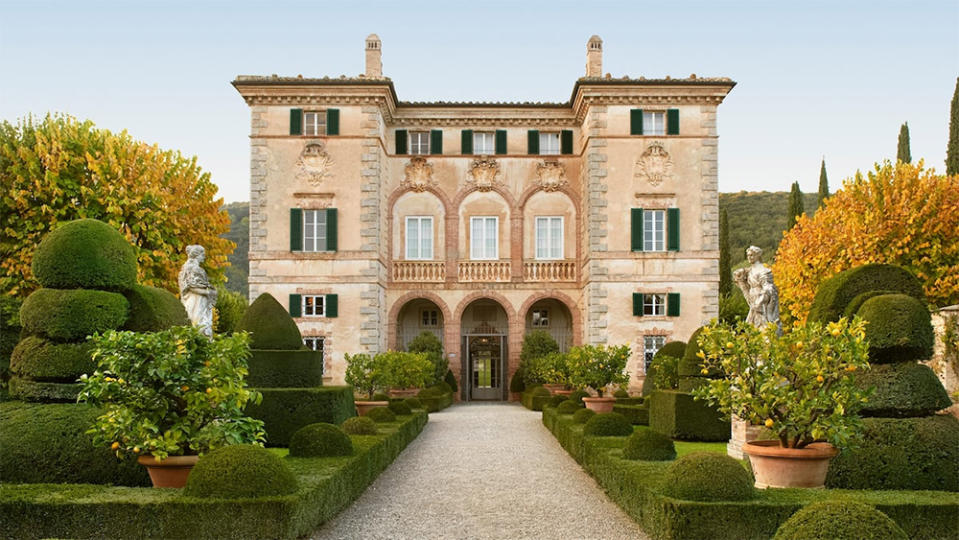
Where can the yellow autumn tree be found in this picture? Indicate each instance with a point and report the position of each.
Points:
(60, 169)
(898, 214)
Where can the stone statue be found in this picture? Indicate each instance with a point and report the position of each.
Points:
(197, 295)
(761, 293)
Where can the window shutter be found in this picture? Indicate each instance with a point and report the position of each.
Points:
(638, 304)
(296, 229)
(436, 141)
(466, 142)
(636, 229)
(566, 141)
(672, 304)
(401, 142)
(635, 121)
(296, 305)
(501, 141)
(672, 229)
(672, 122)
(296, 121)
(331, 308)
(332, 121)
(532, 142)
(331, 229)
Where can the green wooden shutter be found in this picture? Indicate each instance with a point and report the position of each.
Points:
(638, 304)
(532, 142)
(672, 304)
(636, 229)
(331, 243)
(296, 121)
(672, 229)
(672, 122)
(501, 141)
(566, 141)
(296, 229)
(635, 121)
(466, 142)
(332, 306)
(296, 305)
(436, 142)
(332, 121)
(401, 142)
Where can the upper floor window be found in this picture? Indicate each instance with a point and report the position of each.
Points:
(654, 304)
(651, 345)
(314, 123)
(419, 238)
(420, 143)
(549, 143)
(540, 318)
(654, 230)
(654, 123)
(484, 238)
(643, 122)
(314, 230)
(483, 143)
(549, 237)
(314, 305)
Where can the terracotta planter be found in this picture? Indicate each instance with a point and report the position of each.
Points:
(553, 388)
(403, 392)
(562, 393)
(172, 472)
(363, 407)
(600, 404)
(775, 466)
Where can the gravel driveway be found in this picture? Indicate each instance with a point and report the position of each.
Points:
(483, 471)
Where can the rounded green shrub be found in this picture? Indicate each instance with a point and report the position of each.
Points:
(539, 391)
(400, 408)
(230, 307)
(583, 415)
(536, 344)
(427, 342)
(72, 314)
(554, 401)
(707, 476)
(858, 301)
(381, 415)
(444, 387)
(902, 390)
(578, 395)
(899, 328)
(620, 393)
(413, 403)
(569, 407)
(839, 520)
(380, 396)
(43, 391)
(238, 472)
(450, 380)
(837, 292)
(516, 383)
(676, 349)
(359, 425)
(44, 360)
(428, 392)
(270, 326)
(320, 440)
(153, 309)
(648, 445)
(85, 254)
(608, 425)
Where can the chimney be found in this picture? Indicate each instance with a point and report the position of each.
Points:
(374, 64)
(594, 57)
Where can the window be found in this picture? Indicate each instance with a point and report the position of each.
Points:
(549, 237)
(314, 230)
(549, 144)
(654, 304)
(314, 123)
(483, 143)
(314, 343)
(420, 143)
(654, 230)
(430, 317)
(654, 123)
(314, 305)
(484, 238)
(651, 345)
(540, 318)
(419, 238)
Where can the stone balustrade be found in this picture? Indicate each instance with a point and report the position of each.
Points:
(549, 270)
(419, 271)
(470, 271)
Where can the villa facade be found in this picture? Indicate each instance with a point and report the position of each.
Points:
(375, 219)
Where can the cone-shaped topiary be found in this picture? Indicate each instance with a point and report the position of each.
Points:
(608, 425)
(240, 471)
(320, 440)
(400, 408)
(359, 425)
(839, 520)
(899, 328)
(85, 254)
(381, 414)
(707, 476)
(583, 415)
(649, 445)
(270, 325)
(835, 293)
(569, 407)
(450, 379)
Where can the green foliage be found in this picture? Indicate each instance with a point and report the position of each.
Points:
(237, 273)
(705, 476)
(413, 403)
(49, 443)
(380, 396)
(240, 471)
(404, 369)
(756, 219)
(551, 368)
(725, 268)
(85, 254)
(400, 408)
(535, 344)
(853, 307)
(270, 325)
(285, 410)
(359, 425)
(364, 374)
(598, 366)
(516, 382)
(638, 415)
(837, 292)
(648, 445)
(666, 376)
(569, 406)
(381, 415)
(9, 333)
(578, 395)
(839, 520)
(678, 416)
(450, 379)
(174, 392)
(796, 208)
(899, 328)
(43, 360)
(690, 364)
(427, 342)
(43, 391)
(823, 185)
(952, 148)
(608, 425)
(555, 400)
(733, 307)
(153, 309)
(285, 369)
(903, 389)
(620, 393)
(72, 314)
(535, 397)
(903, 153)
(443, 387)
(583, 415)
(230, 308)
(437, 399)
(320, 440)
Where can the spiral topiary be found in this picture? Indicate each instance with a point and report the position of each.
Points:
(708, 476)
(568, 407)
(320, 440)
(648, 445)
(400, 408)
(381, 415)
(359, 425)
(85, 254)
(839, 520)
(240, 471)
(608, 425)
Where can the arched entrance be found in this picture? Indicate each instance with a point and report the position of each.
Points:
(553, 317)
(417, 316)
(484, 329)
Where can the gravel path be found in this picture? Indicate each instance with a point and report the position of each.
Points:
(483, 471)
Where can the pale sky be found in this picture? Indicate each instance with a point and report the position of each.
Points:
(833, 79)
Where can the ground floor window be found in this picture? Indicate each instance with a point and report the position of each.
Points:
(651, 345)
(540, 318)
(314, 343)
(430, 318)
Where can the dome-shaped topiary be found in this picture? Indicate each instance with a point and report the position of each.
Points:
(413, 403)
(270, 326)
(72, 314)
(649, 445)
(240, 471)
(381, 414)
(568, 407)
(85, 254)
(608, 425)
(583, 415)
(839, 520)
(359, 425)
(620, 393)
(320, 440)
(153, 310)
(899, 328)
(578, 395)
(539, 391)
(676, 349)
(837, 292)
(400, 408)
(902, 389)
(708, 476)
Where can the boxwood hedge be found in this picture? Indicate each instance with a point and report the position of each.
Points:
(153, 309)
(638, 415)
(270, 325)
(44, 360)
(708, 476)
(678, 416)
(240, 471)
(840, 520)
(837, 292)
(320, 440)
(902, 389)
(85, 254)
(72, 314)
(43, 391)
(381, 415)
(535, 397)
(285, 369)
(648, 445)
(899, 328)
(608, 425)
(285, 410)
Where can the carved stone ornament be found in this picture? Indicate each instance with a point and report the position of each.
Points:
(654, 165)
(314, 164)
(483, 174)
(419, 174)
(552, 175)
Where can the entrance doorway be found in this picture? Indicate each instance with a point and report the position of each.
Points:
(484, 352)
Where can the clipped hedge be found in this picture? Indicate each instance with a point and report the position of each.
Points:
(516, 382)
(436, 402)
(43, 391)
(583, 415)
(85, 254)
(359, 425)
(43, 360)
(240, 471)
(555, 400)
(678, 416)
(400, 408)
(153, 310)
(903, 389)
(706, 476)
(899, 328)
(578, 395)
(647, 445)
(270, 325)
(285, 369)
(839, 520)
(837, 292)
(858, 301)
(72, 314)
(608, 425)
(413, 403)
(638, 415)
(320, 440)
(535, 398)
(568, 407)
(285, 410)
(381, 415)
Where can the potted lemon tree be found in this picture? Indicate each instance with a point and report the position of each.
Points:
(365, 373)
(598, 367)
(406, 372)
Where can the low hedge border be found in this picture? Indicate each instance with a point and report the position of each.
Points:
(533, 400)
(638, 415)
(326, 487)
(636, 486)
(678, 416)
(285, 369)
(436, 403)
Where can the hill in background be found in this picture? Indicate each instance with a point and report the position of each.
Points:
(238, 271)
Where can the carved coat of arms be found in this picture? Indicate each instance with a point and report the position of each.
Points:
(314, 164)
(654, 165)
(552, 175)
(483, 174)
(419, 174)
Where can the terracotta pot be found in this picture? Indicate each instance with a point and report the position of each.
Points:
(775, 466)
(562, 393)
(600, 404)
(363, 407)
(553, 388)
(171, 472)
(403, 392)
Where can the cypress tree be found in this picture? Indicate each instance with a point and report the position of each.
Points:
(725, 271)
(823, 184)
(904, 155)
(952, 150)
(795, 206)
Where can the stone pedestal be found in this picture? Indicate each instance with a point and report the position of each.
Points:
(741, 432)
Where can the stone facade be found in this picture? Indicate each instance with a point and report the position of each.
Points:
(349, 144)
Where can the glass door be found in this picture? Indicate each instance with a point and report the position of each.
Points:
(485, 367)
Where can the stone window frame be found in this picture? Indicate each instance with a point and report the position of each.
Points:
(562, 238)
(303, 306)
(480, 140)
(545, 149)
(419, 143)
(648, 121)
(651, 232)
(487, 257)
(319, 123)
(406, 232)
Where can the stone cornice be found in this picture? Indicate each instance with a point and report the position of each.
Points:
(322, 94)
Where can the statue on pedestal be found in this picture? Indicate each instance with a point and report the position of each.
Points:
(196, 293)
(761, 293)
